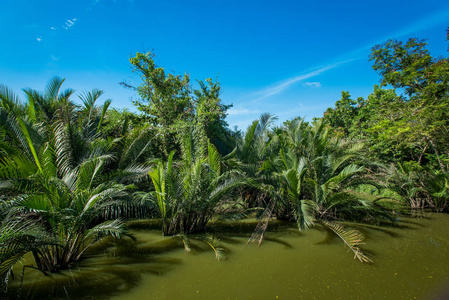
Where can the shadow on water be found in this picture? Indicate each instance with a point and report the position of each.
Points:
(113, 267)
(117, 268)
(278, 241)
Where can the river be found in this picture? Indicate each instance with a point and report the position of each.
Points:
(410, 261)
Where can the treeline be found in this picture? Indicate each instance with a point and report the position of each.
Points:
(71, 175)
(408, 129)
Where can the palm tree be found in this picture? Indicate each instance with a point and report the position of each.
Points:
(55, 173)
(76, 209)
(420, 187)
(44, 105)
(313, 179)
(254, 148)
(188, 192)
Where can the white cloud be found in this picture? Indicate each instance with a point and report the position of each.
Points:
(283, 85)
(312, 84)
(52, 28)
(69, 23)
(241, 111)
(54, 58)
(39, 39)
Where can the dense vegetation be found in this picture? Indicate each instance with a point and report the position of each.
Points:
(72, 175)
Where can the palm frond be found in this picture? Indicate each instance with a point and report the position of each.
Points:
(53, 87)
(214, 243)
(352, 239)
(262, 226)
(114, 228)
(185, 241)
(304, 212)
(10, 101)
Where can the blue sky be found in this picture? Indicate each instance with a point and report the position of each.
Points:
(289, 58)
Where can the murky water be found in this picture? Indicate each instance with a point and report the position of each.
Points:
(411, 262)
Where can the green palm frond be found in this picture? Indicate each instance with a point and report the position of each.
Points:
(134, 147)
(64, 149)
(344, 174)
(214, 159)
(30, 143)
(304, 212)
(89, 171)
(16, 166)
(34, 203)
(53, 87)
(115, 228)
(10, 101)
(17, 237)
(132, 173)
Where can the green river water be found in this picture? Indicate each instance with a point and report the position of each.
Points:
(410, 262)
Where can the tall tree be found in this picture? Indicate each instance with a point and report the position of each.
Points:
(172, 106)
(423, 119)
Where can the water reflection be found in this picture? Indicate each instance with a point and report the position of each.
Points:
(410, 260)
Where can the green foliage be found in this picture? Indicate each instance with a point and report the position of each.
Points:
(342, 116)
(404, 127)
(17, 237)
(210, 114)
(314, 177)
(54, 177)
(422, 118)
(67, 171)
(420, 187)
(169, 103)
(187, 192)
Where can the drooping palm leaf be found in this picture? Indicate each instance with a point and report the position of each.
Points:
(351, 238)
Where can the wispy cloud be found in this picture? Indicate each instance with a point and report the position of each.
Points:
(39, 39)
(54, 58)
(430, 21)
(283, 85)
(440, 17)
(52, 28)
(312, 84)
(411, 28)
(241, 111)
(69, 23)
